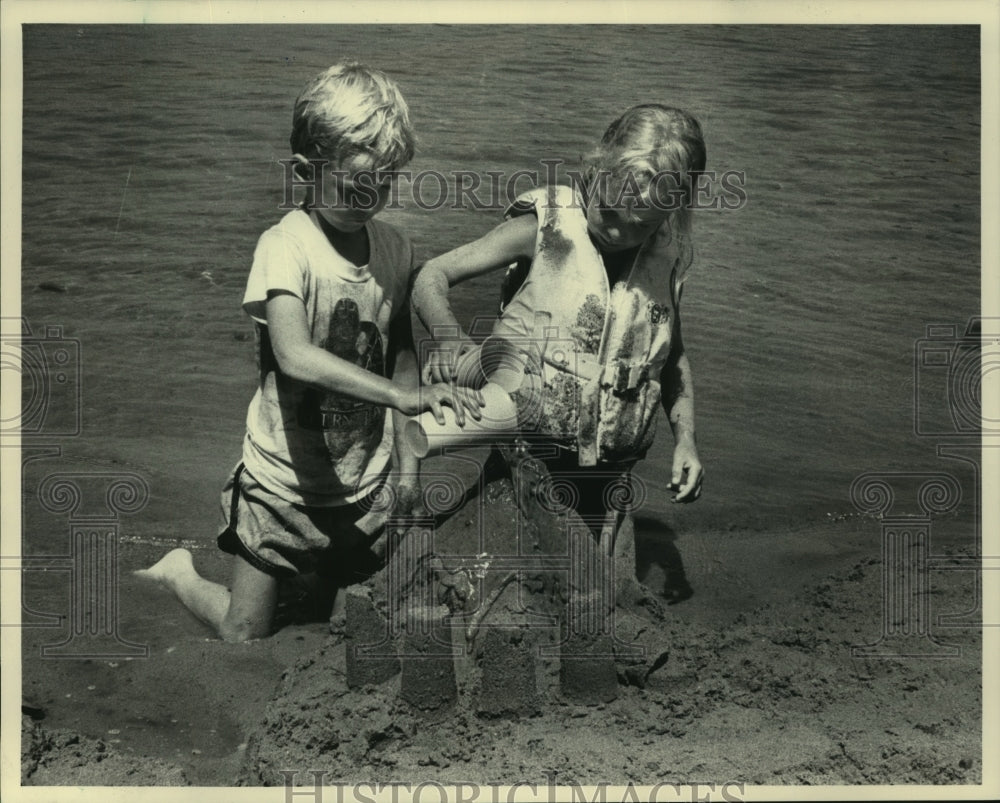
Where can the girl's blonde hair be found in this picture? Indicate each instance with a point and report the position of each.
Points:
(660, 150)
(351, 109)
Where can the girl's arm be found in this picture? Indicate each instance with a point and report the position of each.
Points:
(511, 240)
(678, 403)
(299, 359)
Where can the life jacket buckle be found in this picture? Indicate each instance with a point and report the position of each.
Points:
(629, 377)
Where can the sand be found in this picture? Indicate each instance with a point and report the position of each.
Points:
(750, 679)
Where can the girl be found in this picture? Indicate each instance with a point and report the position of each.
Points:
(595, 289)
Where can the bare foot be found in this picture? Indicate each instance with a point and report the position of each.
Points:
(338, 616)
(169, 569)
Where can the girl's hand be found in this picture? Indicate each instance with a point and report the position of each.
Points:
(687, 474)
(432, 397)
(443, 360)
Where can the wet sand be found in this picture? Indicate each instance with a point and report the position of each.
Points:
(758, 685)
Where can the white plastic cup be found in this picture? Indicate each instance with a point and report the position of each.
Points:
(424, 435)
(496, 360)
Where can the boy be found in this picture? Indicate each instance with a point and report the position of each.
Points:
(329, 291)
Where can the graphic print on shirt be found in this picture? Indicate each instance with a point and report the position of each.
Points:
(348, 424)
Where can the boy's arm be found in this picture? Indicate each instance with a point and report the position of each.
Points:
(405, 477)
(678, 402)
(299, 359)
(403, 362)
(511, 240)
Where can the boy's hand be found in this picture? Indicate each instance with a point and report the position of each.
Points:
(442, 361)
(433, 397)
(687, 474)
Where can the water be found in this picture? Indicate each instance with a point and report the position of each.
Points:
(150, 169)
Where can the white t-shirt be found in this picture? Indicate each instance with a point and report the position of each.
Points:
(306, 445)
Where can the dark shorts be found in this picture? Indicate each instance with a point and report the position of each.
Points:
(283, 539)
(600, 494)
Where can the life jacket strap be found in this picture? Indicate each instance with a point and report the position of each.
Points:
(584, 367)
(621, 377)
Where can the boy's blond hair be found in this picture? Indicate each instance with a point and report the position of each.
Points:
(351, 109)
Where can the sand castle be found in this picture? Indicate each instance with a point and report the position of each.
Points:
(515, 606)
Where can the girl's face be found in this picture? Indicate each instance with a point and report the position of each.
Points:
(353, 194)
(618, 228)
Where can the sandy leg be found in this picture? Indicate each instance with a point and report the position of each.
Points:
(170, 570)
(245, 613)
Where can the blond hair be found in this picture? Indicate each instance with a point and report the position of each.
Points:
(649, 145)
(351, 109)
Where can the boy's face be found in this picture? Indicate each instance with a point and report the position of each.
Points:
(618, 228)
(354, 193)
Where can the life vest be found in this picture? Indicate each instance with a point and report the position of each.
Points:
(599, 349)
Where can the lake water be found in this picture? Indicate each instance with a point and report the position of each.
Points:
(150, 168)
